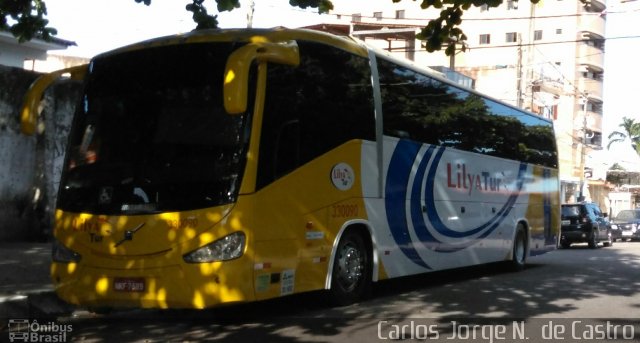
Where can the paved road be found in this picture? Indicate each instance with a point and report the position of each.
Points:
(567, 294)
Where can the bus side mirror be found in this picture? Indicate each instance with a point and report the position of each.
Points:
(236, 74)
(29, 111)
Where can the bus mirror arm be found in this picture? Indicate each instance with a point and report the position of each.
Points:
(29, 111)
(236, 75)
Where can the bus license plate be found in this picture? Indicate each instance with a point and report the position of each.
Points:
(129, 284)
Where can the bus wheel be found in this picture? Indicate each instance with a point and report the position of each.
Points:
(519, 252)
(351, 274)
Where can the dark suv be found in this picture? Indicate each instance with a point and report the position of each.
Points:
(584, 223)
(626, 224)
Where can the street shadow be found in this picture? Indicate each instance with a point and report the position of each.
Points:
(24, 267)
(550, 285)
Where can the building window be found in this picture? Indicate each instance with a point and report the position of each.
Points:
(356, 17)
(484, 8)
(377, 15)
(400, 14)
(558, 31)
(485, 38)
(596, 43)
(592, 75)
(537, 35)
(595, 107)
(512, 4)
(511, 37)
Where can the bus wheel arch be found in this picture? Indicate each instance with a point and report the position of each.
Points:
(352, 265)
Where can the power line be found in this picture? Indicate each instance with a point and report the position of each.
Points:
(523, 17)
(515, 45)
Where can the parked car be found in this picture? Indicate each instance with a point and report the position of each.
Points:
(626, 225)
(584, 223)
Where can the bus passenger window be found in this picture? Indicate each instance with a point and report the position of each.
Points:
(310, 109)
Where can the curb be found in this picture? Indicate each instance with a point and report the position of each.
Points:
(38, 304)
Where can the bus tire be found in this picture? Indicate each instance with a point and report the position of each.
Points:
(519, 249)
(352, 270)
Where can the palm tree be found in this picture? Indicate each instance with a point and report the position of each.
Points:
(631, 130)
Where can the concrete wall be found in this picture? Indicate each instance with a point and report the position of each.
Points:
(30, 165)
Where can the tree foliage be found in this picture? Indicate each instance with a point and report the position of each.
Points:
(630, 130)
(445, 30)
(26, 18)
(617, 166)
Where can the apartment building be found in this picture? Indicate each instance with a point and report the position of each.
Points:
(547, 58)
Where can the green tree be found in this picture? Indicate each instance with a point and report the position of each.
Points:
(25, 19)
(630, 130)
(617, 166)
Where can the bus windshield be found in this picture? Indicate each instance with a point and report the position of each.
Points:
(151, 134)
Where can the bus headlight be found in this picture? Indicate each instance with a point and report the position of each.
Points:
(226, 248)
(62, 254)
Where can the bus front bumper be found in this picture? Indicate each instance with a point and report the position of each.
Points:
(179, 286)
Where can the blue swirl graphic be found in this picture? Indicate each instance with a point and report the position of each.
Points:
(395, 198)
(397, 185)
(419, 226)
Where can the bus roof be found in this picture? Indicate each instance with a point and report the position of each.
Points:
(283, 34)
(278, 34)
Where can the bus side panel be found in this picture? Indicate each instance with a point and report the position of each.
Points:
(444, 208)
(298, 217)
(544, 210)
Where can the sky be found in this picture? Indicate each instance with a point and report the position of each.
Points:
(621, 76)
(102, 25)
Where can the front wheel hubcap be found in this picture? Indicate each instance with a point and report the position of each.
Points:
(350, 267)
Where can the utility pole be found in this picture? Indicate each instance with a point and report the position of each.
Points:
(452, 61)
(583, 154)
(452, 58)
(519, 73)
(252, 8)
(530, 51)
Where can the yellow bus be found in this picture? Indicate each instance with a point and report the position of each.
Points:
(238, 165)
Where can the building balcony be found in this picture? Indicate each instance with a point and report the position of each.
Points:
(588, 121)
(594, 6)
(594, 121)
(591, 23)
(591, 56)
(592, 87)
(592, 139)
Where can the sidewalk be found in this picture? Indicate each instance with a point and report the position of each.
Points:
(26, 290)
